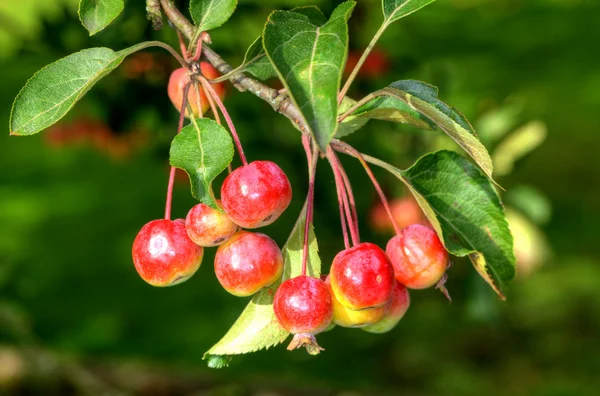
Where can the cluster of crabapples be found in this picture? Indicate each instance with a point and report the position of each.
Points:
(167, 252)
(367, 287)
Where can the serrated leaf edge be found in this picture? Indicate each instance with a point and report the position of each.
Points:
(91, 33)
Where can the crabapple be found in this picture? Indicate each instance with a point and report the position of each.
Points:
(362, 277)
(405, 211)
(376, 65)
(247, 262)
(180, 77)
(163, 254)
(254, 195)
(418, 257)
(398, 306)
(208, 226)
(303, 305)
(346, 317)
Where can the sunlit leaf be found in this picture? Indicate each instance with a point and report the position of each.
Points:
(309, 60)
(464, 208)
(203, 149)
(256, 61)
(210, 14)
(388, 108)
(422, 98)
(95, 15)
(257, 327)
(55, 89)
(396, 9)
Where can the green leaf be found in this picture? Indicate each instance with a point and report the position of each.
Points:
(389, 108)
(352, 123)
(210, 14)
(203, 149)
(55, 89)
(464, 208)
(256, 61)
(422, 98)
(396, 9)
(95, 15)
(309, 60)
(257, 327)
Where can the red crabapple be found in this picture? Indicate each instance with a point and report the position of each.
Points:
(397, 308)
(346, 317)
(208, 226)
(376, 65)
(418, 256)
(302, 306)
(362, 277)
(254, 195)
(247, 262)
(405, 210)
(163, 254)
(179, 78)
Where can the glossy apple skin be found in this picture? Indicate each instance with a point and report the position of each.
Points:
(346, 317)
(398, 306)
(176, 86)
(248, 262)
(418, 257)
(406, 211)
(256, 194)
(164, 255)
(362, 277)
(303, 305)
(208, 226)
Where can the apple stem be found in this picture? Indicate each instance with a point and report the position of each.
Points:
(341, 205)
(213, 107)
(198, 52)
(211, 92)
(354, 152)
(169, 200)
(182, 46)
(342, 200)
(198, 99)
(350, 193)
(312, 157)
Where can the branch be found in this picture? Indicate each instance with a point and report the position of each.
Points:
(153, 14)
(279, 102)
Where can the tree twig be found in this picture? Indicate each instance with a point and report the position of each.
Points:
(279, 102)
(153, 14)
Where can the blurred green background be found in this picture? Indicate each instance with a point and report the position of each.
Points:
(76, 319)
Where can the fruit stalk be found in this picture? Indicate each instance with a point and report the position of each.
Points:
(352, 202)
(211, 92)
(279, 102)
(342, 199)
(384, 200)
(169, 200)
(312, 158)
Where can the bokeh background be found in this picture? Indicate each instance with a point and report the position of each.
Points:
(75, 319)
